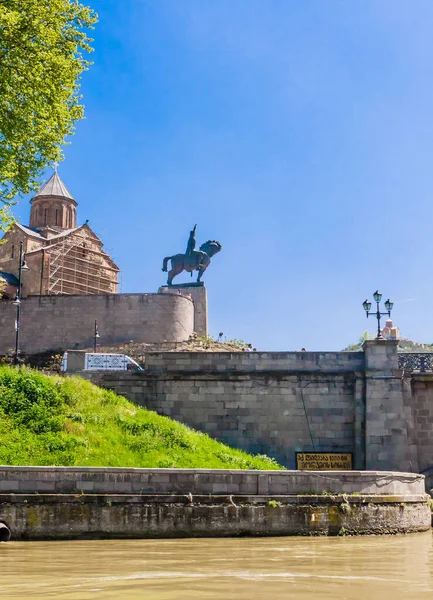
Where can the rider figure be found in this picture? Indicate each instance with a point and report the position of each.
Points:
(190, 248)
(191, 242)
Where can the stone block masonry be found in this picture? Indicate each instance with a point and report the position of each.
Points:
(67, 322)
(198, 295)
(118, 480)
(387, 439)
(82, 516)
(419, 420)
(280, 403)
(422, 402)
(264, 403)
(248, 362)
(271, 413)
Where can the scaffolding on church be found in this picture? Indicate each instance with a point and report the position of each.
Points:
(77, 268)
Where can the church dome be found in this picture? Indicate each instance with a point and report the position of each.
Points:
(53, 206)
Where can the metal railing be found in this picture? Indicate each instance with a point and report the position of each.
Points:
(415, 362)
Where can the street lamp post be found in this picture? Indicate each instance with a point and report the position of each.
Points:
(388, 305)
(17, 302)
(96, 336)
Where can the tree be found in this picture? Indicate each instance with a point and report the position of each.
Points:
(42, 47)
(355, 347)
(365, 336)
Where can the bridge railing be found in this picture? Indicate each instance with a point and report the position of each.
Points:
(416, 362)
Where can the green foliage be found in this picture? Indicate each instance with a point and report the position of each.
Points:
(206, 341)
(54, 420)
(42, 46)
(237, 343)
(404, 345)
(275, 504)
(366, 335)
(268, 459)
(8, 358)
(211, 342)
(345, 507)
(53, 363)
(6, 217)
(409, 346)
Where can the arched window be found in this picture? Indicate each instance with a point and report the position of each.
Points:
(45, 216)
(57, 216)
(12, 250)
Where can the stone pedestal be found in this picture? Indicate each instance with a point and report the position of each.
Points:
(76, 360)
(386, 429)
(197, 293)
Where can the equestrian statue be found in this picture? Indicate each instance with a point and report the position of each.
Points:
(192, 260)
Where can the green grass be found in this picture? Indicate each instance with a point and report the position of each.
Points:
(53, 420)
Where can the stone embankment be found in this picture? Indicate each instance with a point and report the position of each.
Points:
(76, 502)
(281, 403)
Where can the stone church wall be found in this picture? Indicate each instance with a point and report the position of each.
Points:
(67, 322)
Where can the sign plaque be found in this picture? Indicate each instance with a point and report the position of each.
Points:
(324, 461)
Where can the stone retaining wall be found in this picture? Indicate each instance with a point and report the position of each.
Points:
(272, 413)
(75, 502)
(83, 517)
(273, 403)
(280, 403)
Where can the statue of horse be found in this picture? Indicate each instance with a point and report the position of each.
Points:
(198, 260)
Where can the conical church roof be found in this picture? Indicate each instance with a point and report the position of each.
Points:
(55, 187)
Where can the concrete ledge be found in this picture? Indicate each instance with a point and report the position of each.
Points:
(212, 499)
(109, 480)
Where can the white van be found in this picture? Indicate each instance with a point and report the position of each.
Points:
(92, 361)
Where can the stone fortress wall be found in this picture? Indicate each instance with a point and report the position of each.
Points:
(65, 322)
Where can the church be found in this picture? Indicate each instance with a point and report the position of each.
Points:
(62, 258)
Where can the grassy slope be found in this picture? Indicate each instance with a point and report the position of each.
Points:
(51, 420)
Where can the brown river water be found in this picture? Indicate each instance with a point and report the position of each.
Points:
(363, 568)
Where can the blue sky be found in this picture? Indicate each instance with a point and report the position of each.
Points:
(298, 134)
